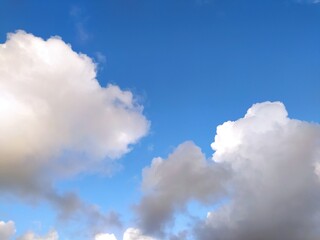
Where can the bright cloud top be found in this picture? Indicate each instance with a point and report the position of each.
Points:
(52, 109)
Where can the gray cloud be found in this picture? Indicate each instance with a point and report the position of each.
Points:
(169, 185)
(70, 207)
(7, 230)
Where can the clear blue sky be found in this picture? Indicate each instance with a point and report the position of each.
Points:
(192, 64)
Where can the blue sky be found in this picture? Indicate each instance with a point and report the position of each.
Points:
(191, 64)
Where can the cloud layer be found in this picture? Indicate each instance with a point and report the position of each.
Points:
(265, 164)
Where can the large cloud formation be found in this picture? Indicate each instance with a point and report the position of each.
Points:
(56, 120)
(265, 164)
(275, 188)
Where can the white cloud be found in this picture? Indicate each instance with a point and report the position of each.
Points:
(51, 106)
(274, 190)
(265, 164)
(7, 230)
(51, 235)
(57, 121)
(105, 236)
(135, 234)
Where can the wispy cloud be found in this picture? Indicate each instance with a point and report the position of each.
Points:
(100, 57)
(80, 20)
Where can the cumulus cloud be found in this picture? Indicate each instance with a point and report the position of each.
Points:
(170, 183)
(56, 120)
(51, 235)
(266, 165)
(7, 230)
(274, 189)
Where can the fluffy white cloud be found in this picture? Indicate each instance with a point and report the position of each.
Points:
(274, 189)
(51, 103)
(105, 236)
(7, 229)
(51, 235)
(170, 183)
(57, 121)
(135, 234)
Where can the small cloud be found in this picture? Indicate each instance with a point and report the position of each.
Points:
(100, 57)
(7, 230)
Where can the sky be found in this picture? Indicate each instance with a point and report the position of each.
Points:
(159, 120)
